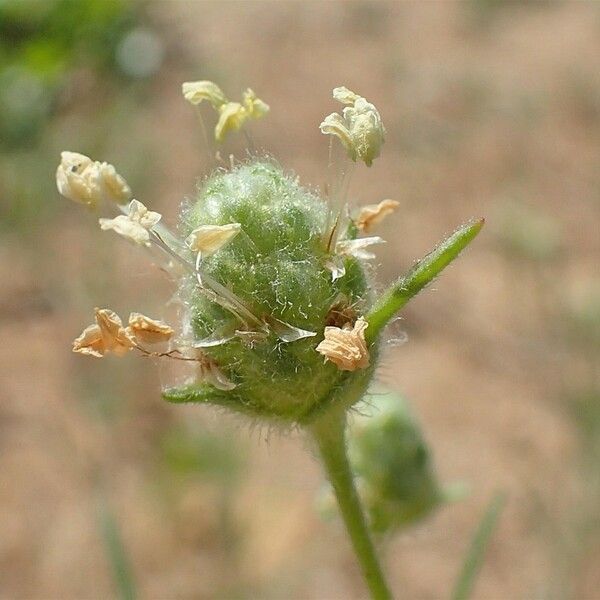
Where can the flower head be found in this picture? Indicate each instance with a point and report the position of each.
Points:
(136, 225)
(359, 128)
(346, 346)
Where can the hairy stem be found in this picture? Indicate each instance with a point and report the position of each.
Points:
(423, 273)
(329, 433)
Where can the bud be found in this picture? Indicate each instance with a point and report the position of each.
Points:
(392, 464)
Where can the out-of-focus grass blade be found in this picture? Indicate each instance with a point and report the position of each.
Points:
(423, 273)
(115, 552)
(476, 553)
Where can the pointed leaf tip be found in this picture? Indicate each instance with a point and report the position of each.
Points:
(421, 274)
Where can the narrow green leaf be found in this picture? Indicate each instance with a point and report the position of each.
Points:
(423, 273)
(474, 558)
(116, 552)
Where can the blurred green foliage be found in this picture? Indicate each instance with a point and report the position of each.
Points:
(204, 454)
(41, 42)
(65, 66)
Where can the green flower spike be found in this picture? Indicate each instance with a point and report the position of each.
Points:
(278, 318)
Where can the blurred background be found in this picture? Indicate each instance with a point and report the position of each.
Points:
(492, 109)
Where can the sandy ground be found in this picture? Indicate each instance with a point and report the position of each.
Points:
(482, 109)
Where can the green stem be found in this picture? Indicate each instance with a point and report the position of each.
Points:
(329, 433)
(476, 553)
(425, 271)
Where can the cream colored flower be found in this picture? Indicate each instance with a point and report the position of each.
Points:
(73, 178)
(207, 239)
(356, 248)
(345, 96)
(232, 115)
(346, 347)
(359, 128)
(231, 118)
(136, 225)
(107, 335)
(197, 91)
(83, 180)
(111, 185)
(373, 214)
(147, 330)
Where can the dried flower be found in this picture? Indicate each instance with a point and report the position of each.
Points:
(356, 248)
(83, 180)
(90, 342)
(207, 239)
(136, 225)
(197, 91)
(359, 128)
(373, 214)
(346, 347)
(147, 330)
(107, 335)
